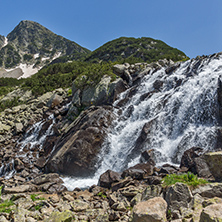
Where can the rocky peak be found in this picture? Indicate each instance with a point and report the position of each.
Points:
(33, 45)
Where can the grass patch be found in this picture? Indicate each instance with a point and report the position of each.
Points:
(36, 197)
(188, 178)
(101, 194)
(5, 206)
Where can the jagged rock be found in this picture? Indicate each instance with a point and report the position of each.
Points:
(209, 190)
(79, 205)
(177, 196)
(214, 161)
(153, 210)
(45, 178)
(19, 189)
(139, 171)
(55, 100)
(212, 213)
(151, 192)
(107, 178)
(121, 183)
(76, 151)
(129, 191)
(168, 169)
(188, 157)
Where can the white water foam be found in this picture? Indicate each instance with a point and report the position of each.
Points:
(182, 113)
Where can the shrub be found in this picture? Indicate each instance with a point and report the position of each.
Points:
(187, 178)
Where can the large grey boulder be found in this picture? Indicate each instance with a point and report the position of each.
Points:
(77, 150)
(105, 92)
(178, 198)
(214, 161)
(212, 213)
(153, 210)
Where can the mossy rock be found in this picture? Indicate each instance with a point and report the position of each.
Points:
(65, 216)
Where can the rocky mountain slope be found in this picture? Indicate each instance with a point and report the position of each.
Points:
(121, 132)
(34, 46)
(135, 50)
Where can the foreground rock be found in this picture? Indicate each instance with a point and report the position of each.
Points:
(153, 210)
(214, 161)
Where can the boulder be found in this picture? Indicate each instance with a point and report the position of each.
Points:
(188, 157)
(107, 178)
(139, 170)
(211, 213)
(51, 177)
(77, 149)
(177, 196)
(209, 190)
(153, 210)
(214, 161)
(65, 216)
(19, 127)
(55, 100)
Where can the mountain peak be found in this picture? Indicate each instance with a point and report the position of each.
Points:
(33, 44)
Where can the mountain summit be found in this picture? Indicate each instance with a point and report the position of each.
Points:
(32, 44)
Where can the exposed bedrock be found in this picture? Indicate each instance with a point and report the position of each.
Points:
(77, 150)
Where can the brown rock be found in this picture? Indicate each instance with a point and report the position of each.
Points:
(153, 210)
(107, 178)
(139, 171)
(51, 177)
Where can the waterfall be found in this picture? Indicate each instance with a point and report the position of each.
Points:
(180, 109)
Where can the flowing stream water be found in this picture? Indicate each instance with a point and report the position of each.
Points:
(182, 113)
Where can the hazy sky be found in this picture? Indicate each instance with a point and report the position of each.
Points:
(193, 26)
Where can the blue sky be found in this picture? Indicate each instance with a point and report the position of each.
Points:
(191, 26)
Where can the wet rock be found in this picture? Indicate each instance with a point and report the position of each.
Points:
(77, 149)
(139, 171)
(107, 178)
(188, 157)
(153, 210)
(48, 144)
(168, 169)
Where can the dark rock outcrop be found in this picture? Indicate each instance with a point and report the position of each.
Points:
(77, 149)
(107, 178)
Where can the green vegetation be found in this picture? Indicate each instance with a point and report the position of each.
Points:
(36, 197)
(5, 206)
(101, 194)
(134, 50)
(187, 178)
(62, 75)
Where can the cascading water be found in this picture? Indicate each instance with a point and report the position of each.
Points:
(180, 109)
(30, 146)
